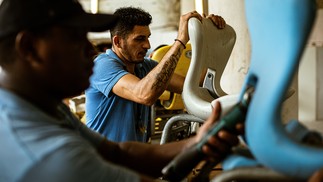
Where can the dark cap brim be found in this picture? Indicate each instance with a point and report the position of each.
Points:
(93, 22)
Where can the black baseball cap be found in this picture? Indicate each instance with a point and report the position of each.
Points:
(18, 15)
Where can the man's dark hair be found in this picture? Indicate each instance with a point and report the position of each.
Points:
(128, 18)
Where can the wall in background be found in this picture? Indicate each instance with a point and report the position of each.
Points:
(164, 23)
(164, 30)
(320, 3)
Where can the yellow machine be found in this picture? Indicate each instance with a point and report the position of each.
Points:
(171, 104)
(169, 100)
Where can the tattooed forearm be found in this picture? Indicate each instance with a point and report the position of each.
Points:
(164, 75)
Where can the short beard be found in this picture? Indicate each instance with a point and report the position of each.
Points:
(125, 52)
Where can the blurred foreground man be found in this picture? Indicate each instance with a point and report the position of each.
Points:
(45, 56)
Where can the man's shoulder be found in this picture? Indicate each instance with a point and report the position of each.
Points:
(32, 145)
(104, 56)
(108, 58)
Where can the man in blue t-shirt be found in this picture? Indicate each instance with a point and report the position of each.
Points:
(125, 83)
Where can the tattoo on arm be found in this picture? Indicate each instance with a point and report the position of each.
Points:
(168, 69)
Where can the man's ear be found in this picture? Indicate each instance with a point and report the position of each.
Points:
(116, 41)
(24, 45)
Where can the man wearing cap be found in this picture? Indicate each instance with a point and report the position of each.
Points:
(45, 56)
(126, 83)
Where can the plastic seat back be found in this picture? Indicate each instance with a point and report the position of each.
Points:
(211, 49)
(279, 31)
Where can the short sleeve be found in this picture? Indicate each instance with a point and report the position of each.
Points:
(107, 72)
(78, 161)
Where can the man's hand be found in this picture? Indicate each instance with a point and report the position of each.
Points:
(217, 20)
(183, 25)
(222, 143)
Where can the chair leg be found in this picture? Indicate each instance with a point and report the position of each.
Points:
(173, 120)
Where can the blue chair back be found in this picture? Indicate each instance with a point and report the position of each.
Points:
(279, 31)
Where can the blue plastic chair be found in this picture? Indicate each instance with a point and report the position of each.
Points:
(279, 31)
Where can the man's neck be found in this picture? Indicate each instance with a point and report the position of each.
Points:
(130, 67)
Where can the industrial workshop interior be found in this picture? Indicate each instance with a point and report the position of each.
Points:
(172, 119)
(305, 102)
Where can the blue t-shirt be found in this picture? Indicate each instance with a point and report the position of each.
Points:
(116, 118)
(38, 147)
